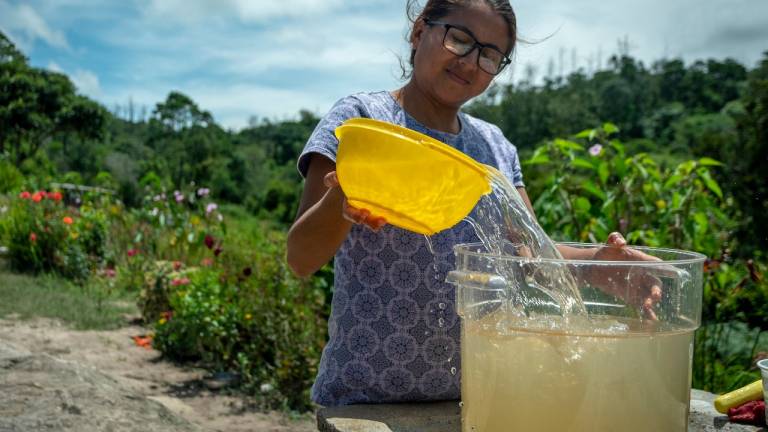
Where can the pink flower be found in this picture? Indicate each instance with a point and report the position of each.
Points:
(25, 195)
(179, 196)
(206, 262)
(209, 240)
(180, 281)
(595, 150)
(132, 252)
(32, 237)
(210, 208)
(109, 272)
(177, 265)
(203, 192)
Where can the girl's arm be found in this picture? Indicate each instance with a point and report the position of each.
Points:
(324, 219)
(320, 228)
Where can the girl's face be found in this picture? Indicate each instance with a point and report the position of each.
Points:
(451, 79)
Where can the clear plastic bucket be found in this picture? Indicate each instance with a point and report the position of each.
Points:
(527, 366)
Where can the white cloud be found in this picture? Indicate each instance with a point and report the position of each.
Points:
(193, 12)
(27, 25)
(87, 83)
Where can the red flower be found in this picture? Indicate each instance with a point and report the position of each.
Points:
(56, 196)
(67, 220)
(25, 195)
(209, 240)
(180, 281)
(217, 251)
(132, 252)
(206, 262)
(38, 196)
(110, 272)
(166, 315)
(32, 237)
(177, 265)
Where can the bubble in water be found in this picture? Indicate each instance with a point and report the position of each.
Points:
(461, 404)
(441, 305)
(440, 322)
(453, 371)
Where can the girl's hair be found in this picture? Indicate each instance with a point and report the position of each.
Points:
(436, 9)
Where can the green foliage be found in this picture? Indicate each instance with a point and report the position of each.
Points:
(588, 186)
(45, 235)
(257, 320)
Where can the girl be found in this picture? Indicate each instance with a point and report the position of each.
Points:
(393, 330)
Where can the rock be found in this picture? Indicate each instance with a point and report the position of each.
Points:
(446, 417)
(40, 392)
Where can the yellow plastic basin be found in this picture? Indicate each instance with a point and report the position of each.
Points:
(414, 181)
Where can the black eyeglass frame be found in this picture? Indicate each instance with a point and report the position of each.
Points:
(477, 45)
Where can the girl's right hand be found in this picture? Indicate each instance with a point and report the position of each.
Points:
(352, 214)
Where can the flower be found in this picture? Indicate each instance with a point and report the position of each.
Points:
(25, 195)
(217, 251)
(180, 281)
(166, 315)
(179, 196)
(203, 192)
(67, 220)
(162, 321)
(56, 196)
(32, 237)
(248, 317)
(38, 196)
(661, 204)
(109, 272)
(177, 265)
(132, 252)
(595, 150)
(209, 240)
(206, 262)
(210, 208)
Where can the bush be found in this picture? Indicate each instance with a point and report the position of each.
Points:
(247, 313)
(590, 187)
(46, 236)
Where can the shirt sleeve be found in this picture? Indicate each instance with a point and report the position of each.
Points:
(323, 139)
(508, 158)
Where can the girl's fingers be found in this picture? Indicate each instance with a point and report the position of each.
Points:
(331, 180)
(616, 239)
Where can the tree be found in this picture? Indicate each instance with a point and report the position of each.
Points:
(37, 105)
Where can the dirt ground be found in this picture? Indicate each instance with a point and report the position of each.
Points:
(181, 389)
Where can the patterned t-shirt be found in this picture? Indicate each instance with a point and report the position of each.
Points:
(393, 330)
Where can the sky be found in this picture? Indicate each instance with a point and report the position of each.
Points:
(256, 59)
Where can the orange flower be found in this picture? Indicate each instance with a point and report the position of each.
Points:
(38, 196)
(56, 196)
(32, 237)
(67, 220)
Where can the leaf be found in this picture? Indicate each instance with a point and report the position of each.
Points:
(582, 205)
(673, 181)
(705, 161)
(567, 145)
(594, 190)
(701, 222)
(539, 157)
(610, 128)
(602, 171)
(586, 133)
(582, 163)
(710, 182)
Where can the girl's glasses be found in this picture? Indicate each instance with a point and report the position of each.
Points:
(461, 43)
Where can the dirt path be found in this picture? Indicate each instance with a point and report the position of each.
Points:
(178, 388)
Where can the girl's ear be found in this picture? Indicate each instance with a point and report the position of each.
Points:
(418, 32)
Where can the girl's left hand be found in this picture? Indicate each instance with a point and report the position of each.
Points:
(644, 288)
